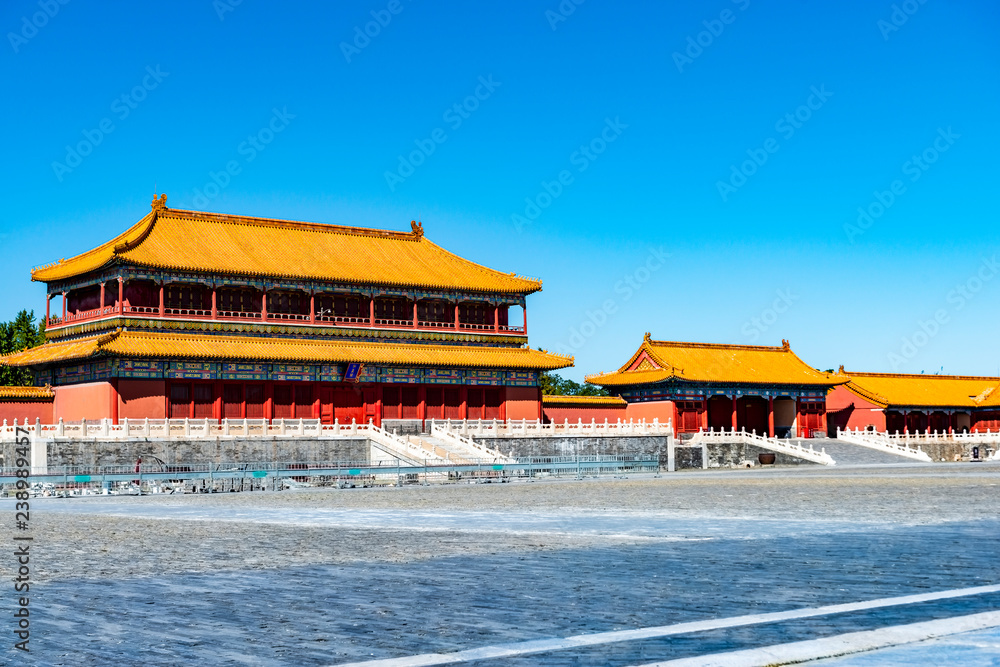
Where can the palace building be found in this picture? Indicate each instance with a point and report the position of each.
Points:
(203, 315)
(895, 402)
(723, 387)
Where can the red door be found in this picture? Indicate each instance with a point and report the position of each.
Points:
(348, 404)
(232, 401)
(476, 403)
(255, 401)
(180, 401)
(326, 405)
(453, 403)
(435, 403)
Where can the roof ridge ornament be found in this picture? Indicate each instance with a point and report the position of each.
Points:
(785, 345)
(647, 338)
(417, 227)
(160, 204)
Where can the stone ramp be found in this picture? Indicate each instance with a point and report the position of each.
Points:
(848, 454)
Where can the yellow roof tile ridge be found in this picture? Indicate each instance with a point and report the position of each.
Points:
(559, 398)
(320, 227)
(922, 376)
(719, 346)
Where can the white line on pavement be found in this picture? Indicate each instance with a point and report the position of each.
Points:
(560, 644)
(831, 647)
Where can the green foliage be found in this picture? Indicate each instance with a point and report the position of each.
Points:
(554, 384)
(19, 334)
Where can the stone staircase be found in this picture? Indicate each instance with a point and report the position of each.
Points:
(847, 453)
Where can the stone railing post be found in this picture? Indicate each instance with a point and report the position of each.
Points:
(60, 429)
(187, 427)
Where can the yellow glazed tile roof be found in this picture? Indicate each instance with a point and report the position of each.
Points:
(191, 346)
(582, 401)
(229, 244)
(992, 400)
(8, 393)
(657, 361)
(896, 389)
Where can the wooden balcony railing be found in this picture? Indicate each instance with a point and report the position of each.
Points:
(322, 320)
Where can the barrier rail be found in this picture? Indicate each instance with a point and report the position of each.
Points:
(780, 445)
(533, 428)
(312, 428)
(882, 442)
(469, 444)
(66, 476)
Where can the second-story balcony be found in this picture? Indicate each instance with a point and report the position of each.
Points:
(199, 303)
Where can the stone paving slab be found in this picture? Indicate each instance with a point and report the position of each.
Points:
(968, 649)
(344, 576)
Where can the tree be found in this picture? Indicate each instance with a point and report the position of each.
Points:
(554, 384)
(19, 334)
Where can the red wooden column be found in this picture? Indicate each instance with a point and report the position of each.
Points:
(162, 302)
(217, 388)
(734, 412)
(456, 317)
(263, 306)
(215, 310)
(703, 422)
(952, 418)
(102, 296)
(465, 402)
(114, 401)
(496, 318)
(422, 406)
(414, 314)
(371, 312)
(822, 421)
(312, 308)
(525, 310)
(121, 295)
(770, 416)
(64, 295)
(48, 302)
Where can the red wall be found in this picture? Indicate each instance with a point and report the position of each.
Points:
(90, 401)
(661, 410)
(25, 410)
(560, 413)
(864, 413)
(524, 402)
(141, 399)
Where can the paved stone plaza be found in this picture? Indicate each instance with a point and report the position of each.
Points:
(334, 576)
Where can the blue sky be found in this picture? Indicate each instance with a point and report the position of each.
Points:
(648, 112)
